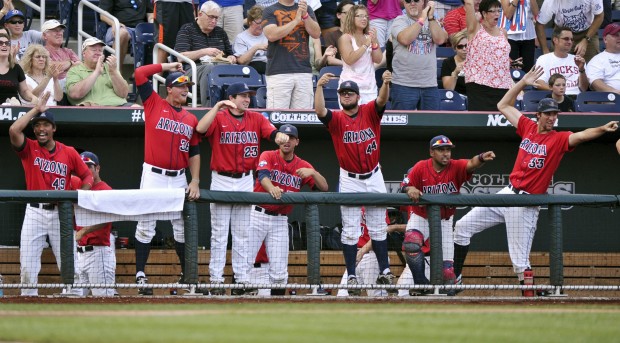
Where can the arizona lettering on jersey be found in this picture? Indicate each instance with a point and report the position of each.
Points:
(52, 167)
(533, 148)
(238, 138)
(357, 137)
(286, 179)
(175, 127)
(442, 188)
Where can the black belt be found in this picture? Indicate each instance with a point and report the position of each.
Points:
(516, 190)
(234, 175)
(267, 212)
(363, 176)
(85, 248)
(167, 172)
(257, 265)
(48, 207)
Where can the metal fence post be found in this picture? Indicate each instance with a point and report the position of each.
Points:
(190, 220)
(556, 249)
(313, 235)
(434, 225)
(67, 242)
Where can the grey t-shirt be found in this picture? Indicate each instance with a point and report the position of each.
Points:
(414, 65)
(27, 38)
(245, 41)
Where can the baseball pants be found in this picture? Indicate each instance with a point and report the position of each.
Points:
(447, 243)
(520, 228)
(259, 275)
(237, 217)
(367, 270)
(98, 266)
(145, 230)
(406, 278)
(274, 231)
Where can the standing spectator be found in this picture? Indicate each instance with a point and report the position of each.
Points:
(603, 71)
(129, 13)
(95, 255)
(232, 163)
(65, 58)
(167, 153)
(170, 16)
(359, 49)
(279, 171)
(557, 83)
(540, 153)
(41, 76)
(14, 22)
(561, 61)
(202, 41)
(456, 20)
(231, 17)
(583, 17)
(487, 68)
(415, 36)
(452, 73)
(442, 7)
(382, 14)
(356, 134)
(518, 21)
(331, 38)
(289, 26)
(41, 221)
(13, 82)
(326, 16)
(250, 46)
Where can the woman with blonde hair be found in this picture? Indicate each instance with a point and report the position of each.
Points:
(452, 74)
(12, 79)
(41, 75)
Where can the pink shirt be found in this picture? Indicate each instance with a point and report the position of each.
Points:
(384, 9)
(62, 55)
(488, 61)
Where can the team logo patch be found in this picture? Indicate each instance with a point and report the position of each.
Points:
(262, 163)
(406, 181)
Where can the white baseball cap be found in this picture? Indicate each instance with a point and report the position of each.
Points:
(91, 41)
(51, 24)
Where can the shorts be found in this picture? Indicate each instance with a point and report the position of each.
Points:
(169, 17)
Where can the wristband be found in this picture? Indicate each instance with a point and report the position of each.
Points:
(582, 70)
(304, 17)
(421, 22)
(374, 47)
(481, 158)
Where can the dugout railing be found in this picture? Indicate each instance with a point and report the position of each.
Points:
(311, 202)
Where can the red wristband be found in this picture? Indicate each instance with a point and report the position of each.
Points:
(375, 47)
(304, 17)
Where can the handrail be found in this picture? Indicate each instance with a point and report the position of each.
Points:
(156, 78)
(81, 33)
(36, 7)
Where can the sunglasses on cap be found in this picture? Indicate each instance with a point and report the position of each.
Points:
(87, 159)
(180, 79)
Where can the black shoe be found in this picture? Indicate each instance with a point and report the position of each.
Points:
(387, 279)
(352, 281)
(243, 291)
(143, 290)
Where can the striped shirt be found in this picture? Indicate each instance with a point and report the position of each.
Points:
(191, 38)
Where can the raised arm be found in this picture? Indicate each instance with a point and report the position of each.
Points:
(507, 104)
(591, 133)
(16, 130)
(207, 119)
(384, 91)
(479, 160)
(119, 85)
(472, 21)
(319, 100)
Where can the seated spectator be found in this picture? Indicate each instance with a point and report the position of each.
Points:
(561, 61)
(65, 58)
(97, 81)
(456, 21)
(129, 13)
(603, 71)
(321, 57)
(13, 82)
(452, 74)
(557, 83)
(41, 76)
(206, 44)
(250, 46)
(14, 21)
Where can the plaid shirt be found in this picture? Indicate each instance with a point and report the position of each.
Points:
(191, 38)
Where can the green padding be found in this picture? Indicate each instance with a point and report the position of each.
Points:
(190, 218)
(313, 233)
(67, 245)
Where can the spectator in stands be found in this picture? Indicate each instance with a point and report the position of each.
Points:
(97, 81)
(518, 21)
(487, 68)
(442, 7)
(603, 71)
(331, 37)
(206, 44)
(266, 3)
(322, 56)
(14, 21)
(456, 21)
(7, 5)
(13, 82)
(289, 73)
(231, 17)
(557, 84)
(129, 13)
(41, 75)
(65, 58)
(561, 61)
(359, 48)
(382, 14)
(452, 73)
(583, 17)
(326, 16)
(415, 36)
(250, 46)
(170, 16)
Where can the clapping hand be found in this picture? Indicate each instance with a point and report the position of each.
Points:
(534, 74)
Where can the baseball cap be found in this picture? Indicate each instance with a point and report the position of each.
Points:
(178, 79)
(14, 13)
(51, 24)
(611, 29)
(91, 41)
(441, 141)
(239, 88)
(289, 130)
(349, 85)
(47, 116)
(90, 158)
(547, 105)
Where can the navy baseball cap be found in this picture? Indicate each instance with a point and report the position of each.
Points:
(47, 116)
(239, 88)
(178, 79)
(90, 158)
(289, 130)
(441, 141)
(547, 105)
(14, 13)
(349, 85)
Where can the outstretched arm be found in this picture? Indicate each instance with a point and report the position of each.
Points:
(591, 133)
(506, 105)
(319, 100)
(384, 91)
(207, 119)
(16, 131)
(479, 160)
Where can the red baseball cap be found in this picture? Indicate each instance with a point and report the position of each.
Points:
(611, 29)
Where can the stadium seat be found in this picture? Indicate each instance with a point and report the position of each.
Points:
(379, 77)
(451, 101)
(143, 42)
(223, 75)
(336, 70)
(598, 102)
(517, 74)
(444, 52)
(331, 98)
(261, 97)
(531, 99)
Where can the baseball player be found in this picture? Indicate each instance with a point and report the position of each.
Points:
(279, 171)
(356, 134)
(439, 174)
(259, 274)
(95, 255)
(48, 165)
(170, 146)
(540, 152)
(234, 133)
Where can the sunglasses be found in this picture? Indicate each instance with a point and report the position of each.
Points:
(461, 46)
(15, 22)
(347, 93)
(409, 1)
(88, 160)
(180, 79)
(5, 43)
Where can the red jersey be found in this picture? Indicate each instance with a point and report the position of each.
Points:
(283, 175)
(236, 143)
(100, 237)
(538, 158)
(357, 138)
(168, 131)
(47, 170)
(448, 181)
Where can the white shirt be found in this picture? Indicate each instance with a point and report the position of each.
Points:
(553, 64)
(34, 84)
(577, 15)
(606, 67)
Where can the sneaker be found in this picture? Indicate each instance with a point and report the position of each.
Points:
(387, 279)
(143, 290)
(420, 292)
(352, 281)
(243, 291)
(458, 282)
(217, 290)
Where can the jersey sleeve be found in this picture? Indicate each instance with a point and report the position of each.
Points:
(524, 125)
(195, 136)
(462, 175)
(211, 130)
(266, 127)
(265, 161)
(309, 180)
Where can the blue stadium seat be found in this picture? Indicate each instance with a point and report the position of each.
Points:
(223, 75)
(336, 70)
(143, 42)
(379, 77)
(531, 99)
(517, 74)
(444, 52)
(598, 102)
(331, 98)
(451, 101)
(261, 97)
